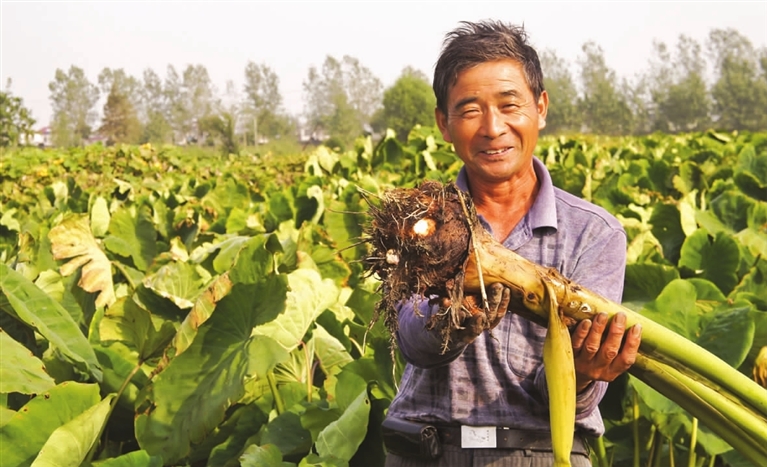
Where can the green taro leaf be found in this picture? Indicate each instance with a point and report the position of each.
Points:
(69, 444)
(100, 217)
(197, 387)
(132, 235)
(667, 228)
(308, 297)
(715, 259)
(201, 311)
(263, 456)
(73, 239)
(254, 260)
(29, 429)
(286, 432)
(645, 281)
(131, 324)
(20, 370)
(342, 437)
(32, 306)
(675, 308)
(729, 333)
(727, 212)
(132, 459)
(231, 437)
(177, 281)
(751, 173)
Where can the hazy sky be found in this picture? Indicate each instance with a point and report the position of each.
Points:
(39, 37)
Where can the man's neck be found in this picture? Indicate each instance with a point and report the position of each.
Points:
(504, 205)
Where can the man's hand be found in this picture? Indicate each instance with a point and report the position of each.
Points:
(603, 361)
(474, 319)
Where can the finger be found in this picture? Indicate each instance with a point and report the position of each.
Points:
(494, 297)
(593, 340)
(472, 327)
(579, 335)
(612, 343)
(628, 353)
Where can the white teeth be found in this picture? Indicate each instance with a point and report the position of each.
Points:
(494, 152)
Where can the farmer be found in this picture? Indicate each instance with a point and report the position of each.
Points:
(483, 401)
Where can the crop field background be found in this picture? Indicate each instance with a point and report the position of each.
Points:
(175, 306)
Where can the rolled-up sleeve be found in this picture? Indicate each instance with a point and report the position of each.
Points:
(420, 346)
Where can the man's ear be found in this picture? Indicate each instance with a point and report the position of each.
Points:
(441, 119)
(543, 109)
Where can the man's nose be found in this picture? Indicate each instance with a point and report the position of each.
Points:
(493, 124)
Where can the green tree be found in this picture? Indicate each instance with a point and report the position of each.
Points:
(157, 128)
(740, 88)
(15, 120)
(342, 97)
(73, 97)
(603, 105)
(679, 93)
(199, 97)
(221, 127)
(120, 123)
(563, 115)
(119, 82)
(408, 102)
(176, 111)
(263, 102)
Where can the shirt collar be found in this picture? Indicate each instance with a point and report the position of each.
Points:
(543, 213)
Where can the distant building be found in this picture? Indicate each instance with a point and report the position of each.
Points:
(40, 138)
(315, 136)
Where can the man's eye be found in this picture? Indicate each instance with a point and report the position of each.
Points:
(470, 112)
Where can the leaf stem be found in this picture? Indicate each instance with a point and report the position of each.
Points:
(278, 402)
(693, 442)
(112, 406)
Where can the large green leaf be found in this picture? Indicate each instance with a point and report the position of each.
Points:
(132, 235)
(675, 308)
(751, 173)
(70, 443)
(342, 437)
(29, 429)
(201, 311)
(729, 332)
(132, 459)
(178, 281)
(263, 456)
(667, 228)
(100, 217)
(715, 259)
(32, 306)
(645, 281)
(131, 324)
(309, 296)
(73, 239)
(20, 370)
(197, 387)
(231, 437)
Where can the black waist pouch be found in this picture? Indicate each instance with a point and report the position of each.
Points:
(410, 439)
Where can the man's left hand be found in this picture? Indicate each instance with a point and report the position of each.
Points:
(603, 361)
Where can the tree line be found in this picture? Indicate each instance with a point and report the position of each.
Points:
(689, 87)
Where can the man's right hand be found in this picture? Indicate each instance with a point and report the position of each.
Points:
(475, 319)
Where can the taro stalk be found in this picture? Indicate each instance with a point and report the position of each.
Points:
(427, 241)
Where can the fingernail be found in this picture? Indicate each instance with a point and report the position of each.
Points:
(637, 329)
(602, 318)
(620, 318)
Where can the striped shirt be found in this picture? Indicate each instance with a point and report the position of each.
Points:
(498, 379)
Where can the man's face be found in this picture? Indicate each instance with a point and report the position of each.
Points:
(493, 120)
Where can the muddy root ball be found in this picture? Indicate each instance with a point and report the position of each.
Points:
(420, 240)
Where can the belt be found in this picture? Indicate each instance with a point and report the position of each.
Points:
(507, 438)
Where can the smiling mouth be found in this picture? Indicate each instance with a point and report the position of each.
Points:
(493, 152)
